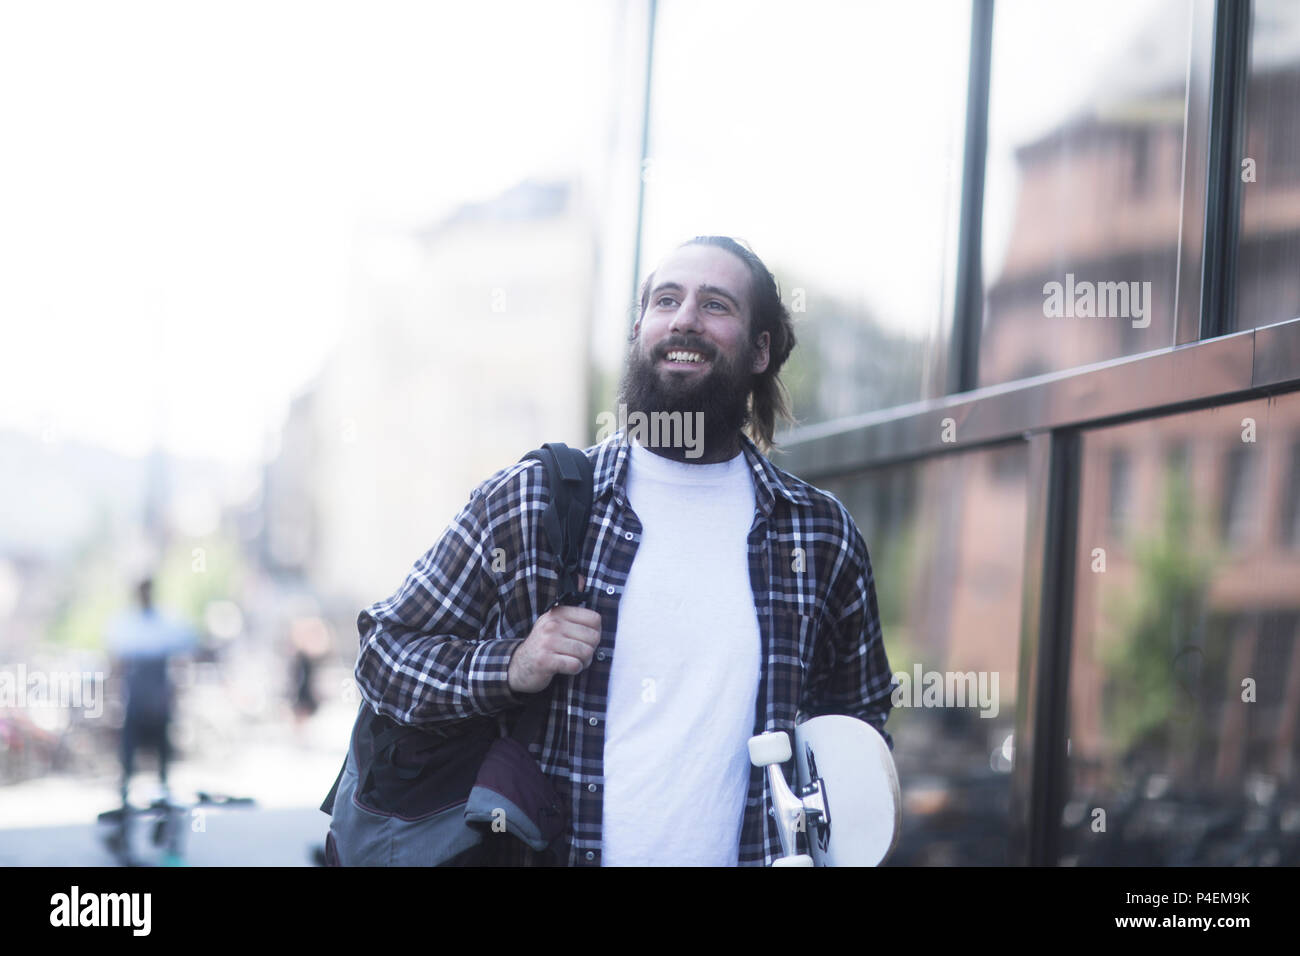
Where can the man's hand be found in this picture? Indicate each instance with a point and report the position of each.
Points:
(561, 642)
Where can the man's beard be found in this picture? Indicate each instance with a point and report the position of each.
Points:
(720, 397)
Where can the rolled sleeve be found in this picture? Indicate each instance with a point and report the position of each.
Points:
(489, 667)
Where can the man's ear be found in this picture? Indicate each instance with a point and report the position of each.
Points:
(762, 355)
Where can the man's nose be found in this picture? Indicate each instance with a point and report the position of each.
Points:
(686, 318)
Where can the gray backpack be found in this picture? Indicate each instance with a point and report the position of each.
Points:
(410, 796)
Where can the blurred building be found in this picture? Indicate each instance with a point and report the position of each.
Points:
(469, 347)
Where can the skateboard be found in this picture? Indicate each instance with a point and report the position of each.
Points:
(846, 798)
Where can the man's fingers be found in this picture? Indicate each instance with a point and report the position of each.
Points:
(573, 648)
(578, 615)
(570, 646)
(577, 632)
(564, 640)
(569, 665)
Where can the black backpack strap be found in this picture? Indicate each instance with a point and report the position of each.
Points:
(564, 522)
(570, 478)
(327, 806)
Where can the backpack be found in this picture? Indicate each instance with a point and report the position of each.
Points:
(410, 796)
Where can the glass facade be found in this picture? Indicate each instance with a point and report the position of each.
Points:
(1184, 714)
(1084, 183)
(789, 131)
(1268, 280)
(1117, 541)
(949, 588)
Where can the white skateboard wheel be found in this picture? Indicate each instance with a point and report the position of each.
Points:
(769, 748)
(803, 859)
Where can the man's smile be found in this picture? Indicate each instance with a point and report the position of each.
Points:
(684, 359)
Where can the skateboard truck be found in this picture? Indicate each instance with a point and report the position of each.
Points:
(807, 804)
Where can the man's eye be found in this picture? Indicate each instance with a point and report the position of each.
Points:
(665, 298)
(717, 303)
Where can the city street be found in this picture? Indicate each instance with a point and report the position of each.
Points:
(51, 821)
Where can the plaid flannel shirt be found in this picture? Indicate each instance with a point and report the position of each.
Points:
(438, 650)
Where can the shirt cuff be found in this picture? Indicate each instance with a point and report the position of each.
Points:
(489, 668)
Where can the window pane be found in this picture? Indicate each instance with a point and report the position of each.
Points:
(829, 137)
(1084, 183)
(1184, 674)
(1268, 281)
(946, 538)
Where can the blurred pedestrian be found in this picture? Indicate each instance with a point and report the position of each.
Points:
(309, 640)
(141, 643)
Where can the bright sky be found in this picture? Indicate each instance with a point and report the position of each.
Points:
(179, 182)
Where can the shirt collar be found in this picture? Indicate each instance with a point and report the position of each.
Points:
(770, 482)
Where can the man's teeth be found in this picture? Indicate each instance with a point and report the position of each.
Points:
(685, 357)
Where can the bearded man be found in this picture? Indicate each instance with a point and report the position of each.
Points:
(725, 597)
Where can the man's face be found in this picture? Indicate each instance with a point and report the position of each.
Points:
(692, 350)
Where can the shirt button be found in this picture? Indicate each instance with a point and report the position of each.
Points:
(593, 721)
(600, 655)
(628, 535)
(610, 589)
(590, 855)
(591, 788)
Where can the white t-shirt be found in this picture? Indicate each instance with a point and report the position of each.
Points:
(684, 677)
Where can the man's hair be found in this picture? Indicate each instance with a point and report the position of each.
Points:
(769, 399)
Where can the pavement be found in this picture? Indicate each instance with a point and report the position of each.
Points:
(229, 838)
(52, 821)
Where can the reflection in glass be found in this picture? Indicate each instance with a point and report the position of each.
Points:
(829, 138)
(1268, 280)
(1084, 183)
(1184, 679)
(946, 538)
(1289, 528)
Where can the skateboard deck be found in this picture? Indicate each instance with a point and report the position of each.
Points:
(846, 798)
